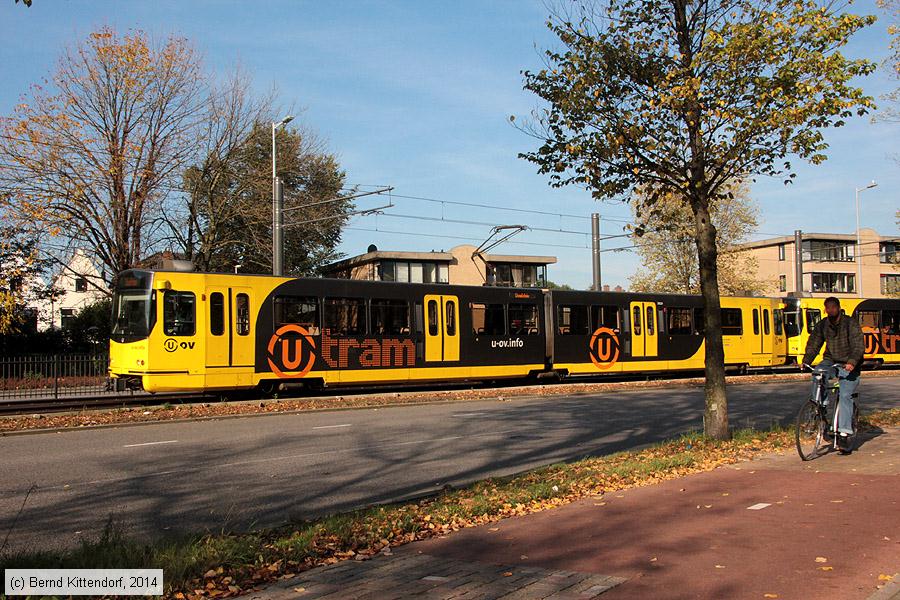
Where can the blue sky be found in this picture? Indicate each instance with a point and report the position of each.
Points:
(417, 95)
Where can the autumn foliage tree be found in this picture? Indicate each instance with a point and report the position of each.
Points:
(228, 203)
(89, 153)
(682, 97)
(664, 240)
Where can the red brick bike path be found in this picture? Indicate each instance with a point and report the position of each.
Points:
(831, 528)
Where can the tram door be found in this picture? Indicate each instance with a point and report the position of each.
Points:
(441, 328)
(761, 317)
(218, 335)
(644, 330)
(242, 326)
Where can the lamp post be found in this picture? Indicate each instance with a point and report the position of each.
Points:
(859, 240)
(277, 208)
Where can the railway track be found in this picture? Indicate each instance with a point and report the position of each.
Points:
(13, 407)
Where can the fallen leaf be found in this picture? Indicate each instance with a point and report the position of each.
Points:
(720, 566)
(770, 595)
(299, 590)
(653, 559)
(821, 559)
(494, 529)
(837, 501)
(507, 574)
(827, 568)
(210, 573)
(884, 577)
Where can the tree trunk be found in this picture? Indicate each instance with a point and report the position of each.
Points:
(715, 419)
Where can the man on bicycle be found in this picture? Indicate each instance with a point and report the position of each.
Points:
(844, 348)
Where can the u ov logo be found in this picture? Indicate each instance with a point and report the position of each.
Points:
(170, 345)
(291, 351)
(604, 348)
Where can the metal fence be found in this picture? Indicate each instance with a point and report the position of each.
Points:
(53, 376)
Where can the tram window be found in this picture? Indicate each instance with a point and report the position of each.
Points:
(679, 322)
(650, 319)
(242, 314)
(572, 320)
(636, 321)
(523, 319)
(216, 313)
(793, 322)
(890, 322)
(755, 321)
(488, 319)
(869, 318)
(296, 310)
(605, 316)
(778, 316)
(344, 316)
(766, 326)
(813, 316)
(451, 318)
(179, 313)
(699, 320)
(390, 317)
(432, 317)
(731, 321)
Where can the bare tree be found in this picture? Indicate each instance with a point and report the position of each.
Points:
(91, 155)
(201, 219)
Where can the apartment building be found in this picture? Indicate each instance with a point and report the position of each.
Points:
(831, 264)
(460, 265)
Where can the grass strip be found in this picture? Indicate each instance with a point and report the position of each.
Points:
(219, 565)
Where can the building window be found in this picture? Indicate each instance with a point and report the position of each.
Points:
(828, 251)
(782, 283)
(66, 317)
(516, 275)
(890, 285)
(888, 252)
(413, 272)
(80, 284)
(780, 251)
(836, 283)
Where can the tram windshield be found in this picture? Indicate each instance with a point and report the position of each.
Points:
(134, 306)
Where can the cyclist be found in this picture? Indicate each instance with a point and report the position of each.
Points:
(844, 348)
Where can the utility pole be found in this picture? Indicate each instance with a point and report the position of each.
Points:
(277, 207)
(595, 249)
(278, 229)
(798, 261)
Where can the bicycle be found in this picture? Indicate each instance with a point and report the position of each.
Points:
(815, 431)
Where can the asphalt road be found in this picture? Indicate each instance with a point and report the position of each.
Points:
(162, 479)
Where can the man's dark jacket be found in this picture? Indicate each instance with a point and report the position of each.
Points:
(843, 341)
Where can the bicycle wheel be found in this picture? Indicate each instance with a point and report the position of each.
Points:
(851, 443)
(810, 431)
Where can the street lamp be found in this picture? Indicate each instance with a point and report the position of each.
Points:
(859, 240)
(277, 208)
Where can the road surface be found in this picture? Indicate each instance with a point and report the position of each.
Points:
(175, 477)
